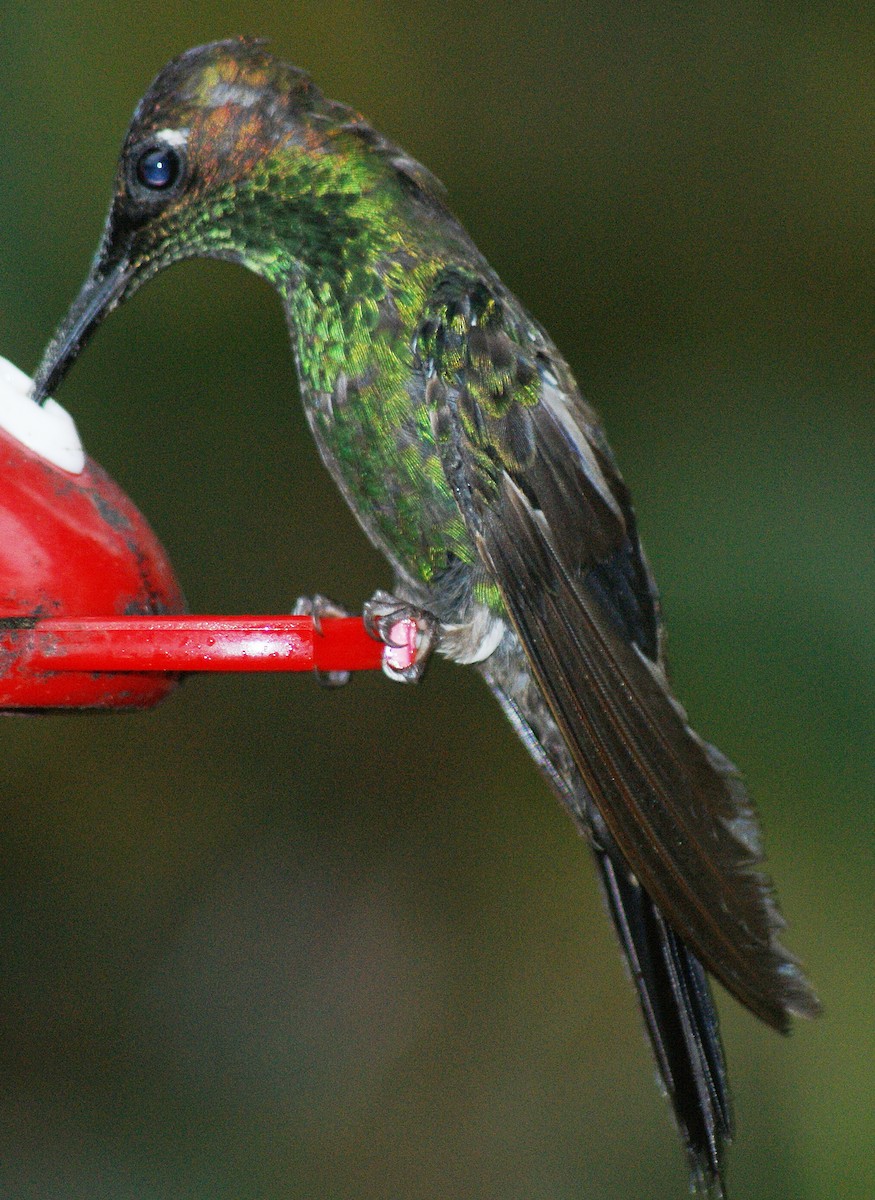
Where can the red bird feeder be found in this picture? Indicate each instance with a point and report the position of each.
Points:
(91, 612)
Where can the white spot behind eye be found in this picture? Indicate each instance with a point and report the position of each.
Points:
(172, 137)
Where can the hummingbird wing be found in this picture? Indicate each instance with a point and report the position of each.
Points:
(551, 518)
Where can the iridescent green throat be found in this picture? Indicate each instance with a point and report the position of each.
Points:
(336, 235)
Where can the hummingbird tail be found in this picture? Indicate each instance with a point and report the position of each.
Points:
(680, 1019)
(673, 991)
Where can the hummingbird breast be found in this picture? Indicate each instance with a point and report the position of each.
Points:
(364, 398)
(384, 459)
(364, 394)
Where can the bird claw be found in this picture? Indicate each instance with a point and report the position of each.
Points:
(317, 607)
(409, 634)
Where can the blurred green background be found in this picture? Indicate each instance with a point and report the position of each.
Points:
(271, 941)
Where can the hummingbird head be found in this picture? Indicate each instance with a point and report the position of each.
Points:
(234, 154)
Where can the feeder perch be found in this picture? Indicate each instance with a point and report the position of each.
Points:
(91, 613)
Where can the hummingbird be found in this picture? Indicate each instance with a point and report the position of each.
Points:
(460, 440)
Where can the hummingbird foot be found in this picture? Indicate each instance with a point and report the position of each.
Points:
(316, 607)
(409, 634)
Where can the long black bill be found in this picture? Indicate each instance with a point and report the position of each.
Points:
(101, 293)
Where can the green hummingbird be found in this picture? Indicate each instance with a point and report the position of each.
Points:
(459, 438)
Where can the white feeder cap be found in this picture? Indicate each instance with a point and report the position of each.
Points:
(48, 430)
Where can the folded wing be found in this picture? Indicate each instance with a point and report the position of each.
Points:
(536, 484)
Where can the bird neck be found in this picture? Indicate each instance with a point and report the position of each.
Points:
(334, 315)
(334, 236)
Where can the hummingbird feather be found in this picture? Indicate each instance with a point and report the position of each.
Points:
(461, 442)
(544, 529)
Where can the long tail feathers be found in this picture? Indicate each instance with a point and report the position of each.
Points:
(681, 1021)
(672, 986)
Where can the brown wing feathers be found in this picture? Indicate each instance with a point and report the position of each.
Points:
(674, 808)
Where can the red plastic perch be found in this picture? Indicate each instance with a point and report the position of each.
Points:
(202, 643)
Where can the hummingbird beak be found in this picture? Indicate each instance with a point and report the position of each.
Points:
(104, 288)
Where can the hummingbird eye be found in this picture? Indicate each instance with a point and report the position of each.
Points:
(159, 168)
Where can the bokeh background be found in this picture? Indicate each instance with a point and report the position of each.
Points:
(271, 941)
